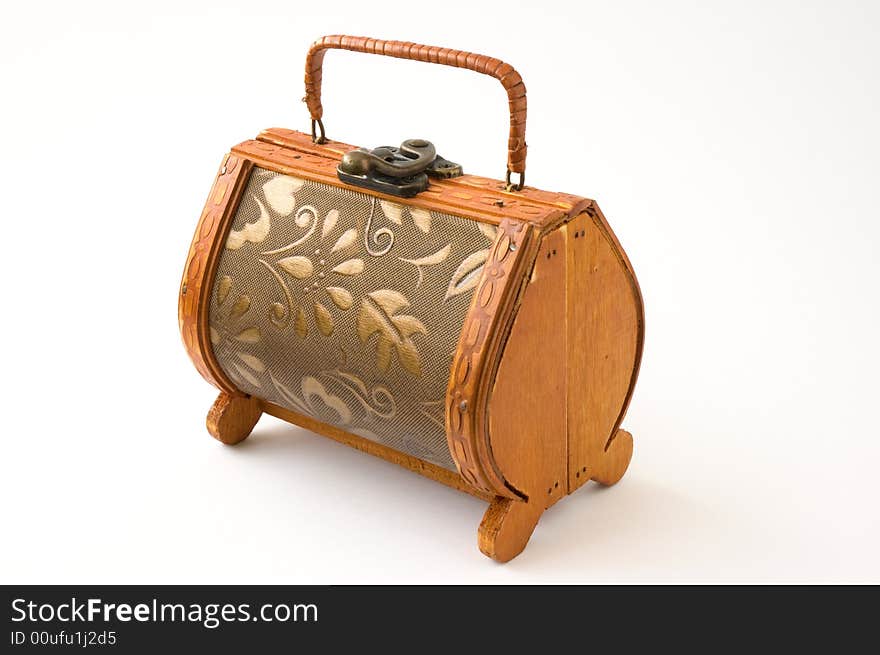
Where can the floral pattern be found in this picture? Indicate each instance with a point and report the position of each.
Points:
(346, 308)
(318, 272)
(233, 335)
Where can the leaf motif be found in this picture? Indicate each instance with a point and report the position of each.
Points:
(298, 267)
(350, 267)
(383, 354)
(241, 306)
(289, 396)
(467, 274)
(247, 375)
(254, 362)
(489, 231)
(249, 335)
(409, 357)
(428, 260)
(340, 297)
(389, 300)
(329, 223)
(323, 319)
(254, 232)
(223, 287)
(312, 387)
(215, 336)
(421, 218)
(377, 315)
(393, 212)
(408, 325)
(301, 327)
(347, 239)
(279, 192)
(369, 321)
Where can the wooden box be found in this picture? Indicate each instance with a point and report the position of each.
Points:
(482, 333)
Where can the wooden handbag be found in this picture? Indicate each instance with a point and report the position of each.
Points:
(480, 332)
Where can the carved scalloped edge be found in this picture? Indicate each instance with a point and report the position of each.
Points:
(201, 265)
(470, 195)
(477, 355)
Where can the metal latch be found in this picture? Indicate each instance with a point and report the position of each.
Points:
(399, 171)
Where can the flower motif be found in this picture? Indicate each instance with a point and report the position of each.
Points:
(232, 334)
(321, 273)
(467, 275)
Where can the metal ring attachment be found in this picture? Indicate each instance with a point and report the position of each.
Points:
(315, 137)
(515, 187)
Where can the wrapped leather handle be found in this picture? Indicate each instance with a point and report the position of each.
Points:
(504, 73)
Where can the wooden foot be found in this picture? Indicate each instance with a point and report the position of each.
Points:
(506, 528)
(232, 418)
(615, 460)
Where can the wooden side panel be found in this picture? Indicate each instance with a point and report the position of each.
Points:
(605, 328)
(477, 354)
(528, 403)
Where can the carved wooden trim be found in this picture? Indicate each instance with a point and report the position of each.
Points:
(480, 198)
(477, 356)
(201, 265)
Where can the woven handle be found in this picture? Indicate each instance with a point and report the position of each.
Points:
(504, 73)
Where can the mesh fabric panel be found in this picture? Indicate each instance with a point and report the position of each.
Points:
(347, 309)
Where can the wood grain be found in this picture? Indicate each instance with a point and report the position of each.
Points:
(527, 406)
(232, 418)
(507, 527)
(605, 328)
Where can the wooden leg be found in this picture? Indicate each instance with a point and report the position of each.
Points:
(506, 528)
(615, 460)
(232, 418)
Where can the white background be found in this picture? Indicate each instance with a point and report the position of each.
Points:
(733, 147)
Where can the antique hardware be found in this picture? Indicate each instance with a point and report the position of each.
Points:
(399, 171)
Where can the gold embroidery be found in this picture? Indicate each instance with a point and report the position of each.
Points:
(223, 288)
(340, 297)
(350, 267)
(249, 335)
(348, 239)
(228, 336)
(300, 267)
(254, 232)
(379, 317)
(467, 274)
(393, 212)
(421, 218)
(336, 316)
(279, 192)
(323, 319)
(429, 260)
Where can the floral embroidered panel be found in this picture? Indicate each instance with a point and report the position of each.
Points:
(346, 308)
